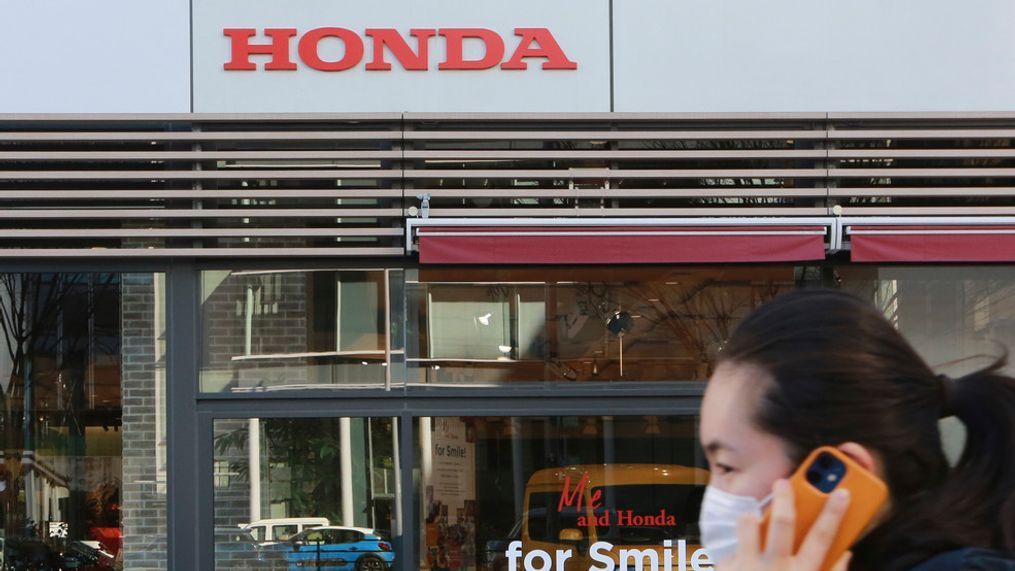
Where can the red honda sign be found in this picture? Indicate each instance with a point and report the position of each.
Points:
(277, 43)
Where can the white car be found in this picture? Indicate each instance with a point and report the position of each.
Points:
(275, 530)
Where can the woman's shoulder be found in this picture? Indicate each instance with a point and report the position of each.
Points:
(968, 559)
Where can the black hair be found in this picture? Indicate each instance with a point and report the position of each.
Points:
(838, 372)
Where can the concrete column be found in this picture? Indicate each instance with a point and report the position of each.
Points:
(426, 477)
(254, 452)
(345, 452)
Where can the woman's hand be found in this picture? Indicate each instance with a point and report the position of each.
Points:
(778, 553)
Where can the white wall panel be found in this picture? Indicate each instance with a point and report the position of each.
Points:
(814, 55)
(98, 56)
(581, 27)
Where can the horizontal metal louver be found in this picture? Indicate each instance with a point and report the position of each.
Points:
(342, 185)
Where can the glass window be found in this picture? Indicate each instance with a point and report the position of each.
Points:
(947, 313)
(556, 483)
(316, 473)
(576, 324)
(491, 326)
(257, 532)
(346, 536)
(282, 532)
(82, 376)
(276, 329)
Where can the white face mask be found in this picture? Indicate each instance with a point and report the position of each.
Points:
(718, 521)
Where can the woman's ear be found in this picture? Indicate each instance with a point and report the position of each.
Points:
(861, 455)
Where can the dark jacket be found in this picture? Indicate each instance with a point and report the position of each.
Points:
(968, 559)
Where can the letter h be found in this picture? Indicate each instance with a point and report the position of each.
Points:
(242, 49)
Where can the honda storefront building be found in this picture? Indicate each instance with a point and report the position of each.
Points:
(447, 270)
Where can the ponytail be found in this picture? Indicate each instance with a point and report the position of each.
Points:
(985, 475)
(974, 506)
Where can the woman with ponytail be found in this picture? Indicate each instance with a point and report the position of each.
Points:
(821, 367)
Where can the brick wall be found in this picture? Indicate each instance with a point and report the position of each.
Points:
(278, 325)
(143, 509)
(232, 489)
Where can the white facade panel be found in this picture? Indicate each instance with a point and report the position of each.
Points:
(580, 27)
(814, 55)
(117, 56)
(107, 56)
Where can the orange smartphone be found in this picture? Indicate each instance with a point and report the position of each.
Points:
(825, 470)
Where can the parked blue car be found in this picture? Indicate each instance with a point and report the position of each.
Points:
(334, 548)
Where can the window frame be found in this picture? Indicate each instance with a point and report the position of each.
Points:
(190, 451)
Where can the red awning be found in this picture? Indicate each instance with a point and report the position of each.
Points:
(928, 243)
(619, 244)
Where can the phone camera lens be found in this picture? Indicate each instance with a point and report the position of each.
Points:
(824, 462)
(814, 477)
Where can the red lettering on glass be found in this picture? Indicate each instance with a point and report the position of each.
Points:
(568, 498)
